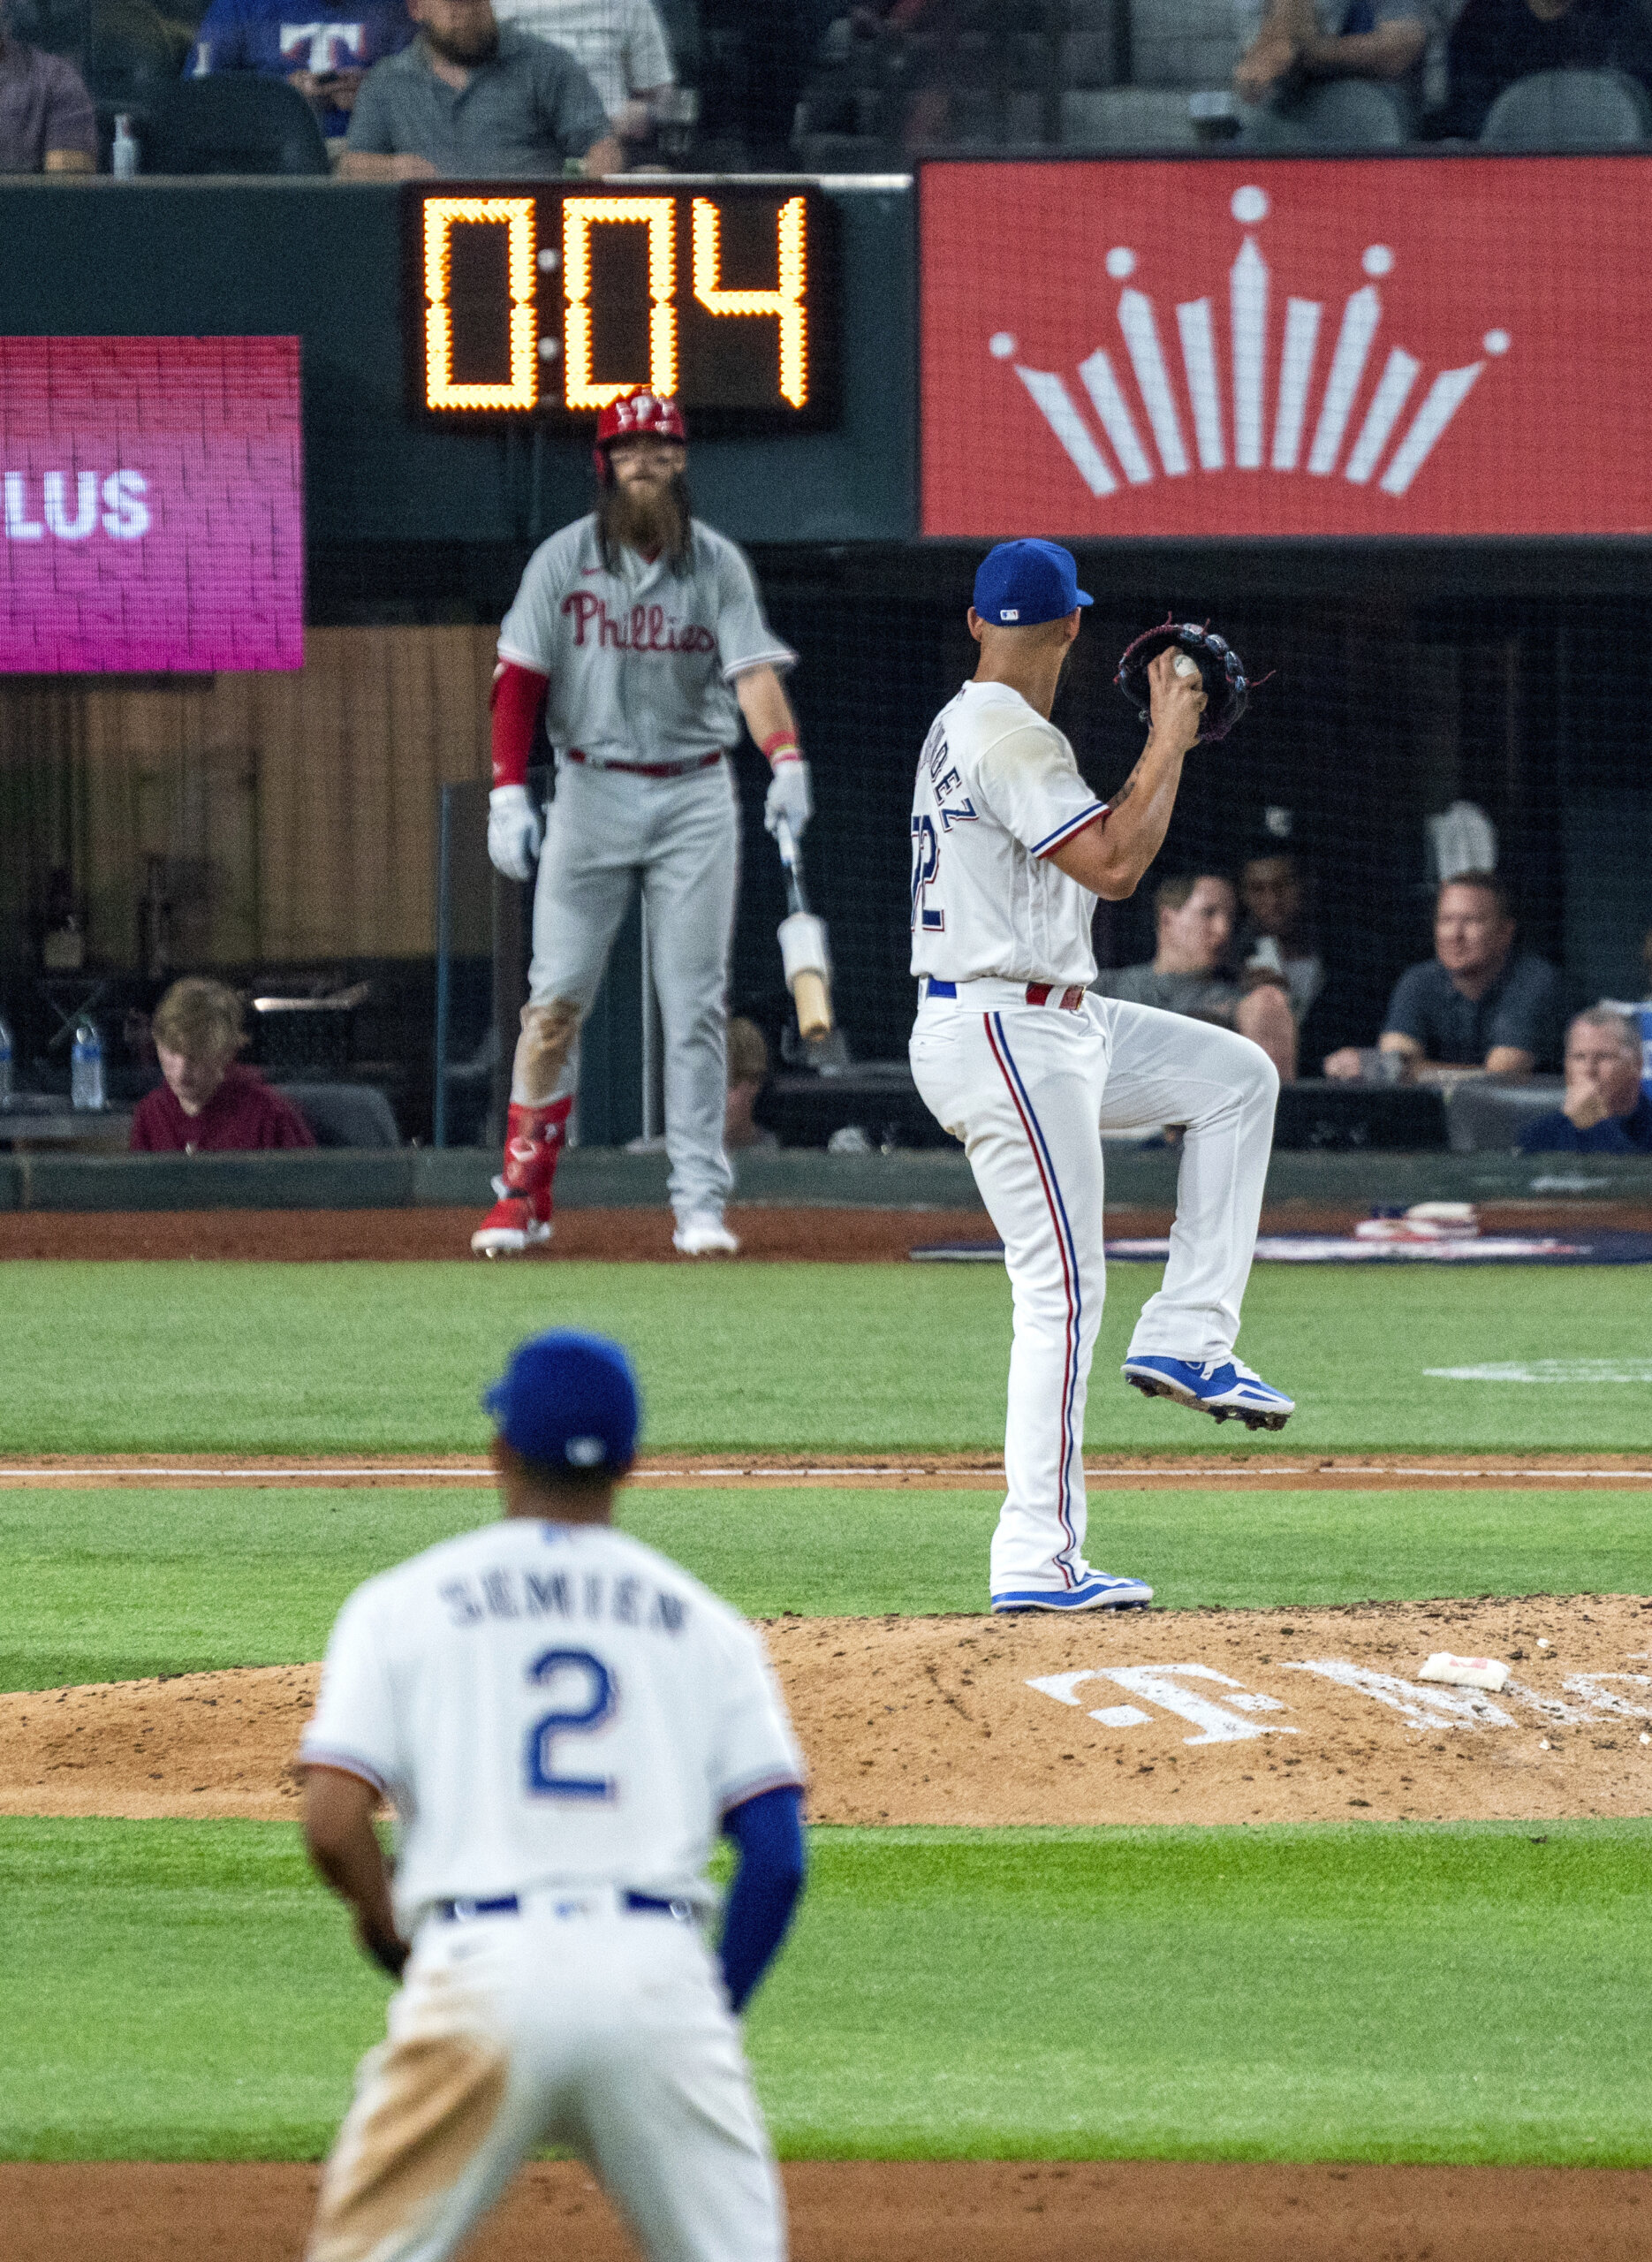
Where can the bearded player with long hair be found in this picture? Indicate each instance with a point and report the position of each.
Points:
(638, 634)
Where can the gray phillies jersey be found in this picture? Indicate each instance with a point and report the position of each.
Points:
(641, 660)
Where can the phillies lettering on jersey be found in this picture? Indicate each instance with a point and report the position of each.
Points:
(549, 1704)
(645, 628)
(998, 791)
(641, 660)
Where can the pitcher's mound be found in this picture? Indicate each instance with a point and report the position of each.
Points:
(1170, 1715)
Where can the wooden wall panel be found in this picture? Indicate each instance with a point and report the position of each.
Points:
(297, 813)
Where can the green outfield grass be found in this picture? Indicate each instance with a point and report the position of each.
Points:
(184, 1990)
(315, 1358)
(113, 1586)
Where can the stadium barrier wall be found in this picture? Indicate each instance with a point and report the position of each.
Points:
(592, 1178)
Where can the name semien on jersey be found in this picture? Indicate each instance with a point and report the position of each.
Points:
(503, 1590)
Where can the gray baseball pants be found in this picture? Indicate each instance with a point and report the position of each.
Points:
(607, 830)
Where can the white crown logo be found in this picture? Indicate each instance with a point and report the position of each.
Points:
(1248, 283)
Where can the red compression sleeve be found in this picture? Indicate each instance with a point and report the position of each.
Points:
(518, 693)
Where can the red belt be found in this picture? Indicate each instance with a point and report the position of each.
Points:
(649, 769)
(1044, 993)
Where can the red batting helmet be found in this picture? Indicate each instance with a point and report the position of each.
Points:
(632, 412)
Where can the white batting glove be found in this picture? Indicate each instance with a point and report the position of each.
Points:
(788, 797)
(515, 833)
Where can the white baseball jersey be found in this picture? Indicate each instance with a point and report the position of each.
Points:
(620, 42)
(641, 660)
(997, 789)
(549, 1704)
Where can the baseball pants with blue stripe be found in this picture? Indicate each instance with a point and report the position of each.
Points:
(1028, 1089)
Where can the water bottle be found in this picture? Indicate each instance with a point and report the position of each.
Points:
(5, 1062)
(86, 1065)
(122, 156)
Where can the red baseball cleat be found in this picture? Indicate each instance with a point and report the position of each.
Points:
(511, 1228)
(520, 1218)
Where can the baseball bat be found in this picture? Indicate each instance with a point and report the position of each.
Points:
(803, 945)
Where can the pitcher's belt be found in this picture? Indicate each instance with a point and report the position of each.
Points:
(1034, 993)
(574, 1903)
(649, 769)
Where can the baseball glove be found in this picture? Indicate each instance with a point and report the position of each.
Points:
(1226, 689)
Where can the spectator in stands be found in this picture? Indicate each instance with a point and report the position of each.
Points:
(1477, 1003)
(621, 44)
(1274, 934)
(1494, 43)
(748, 1072)
(1304, 41)
(208, 1104)
(47, 122)
(1605, 1111)
(470, 98)
(326, 59)
(1187, 974)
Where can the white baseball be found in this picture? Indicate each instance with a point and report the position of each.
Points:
(1185, 665)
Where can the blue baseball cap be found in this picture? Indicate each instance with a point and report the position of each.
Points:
(1021, 583)
(568, 1401)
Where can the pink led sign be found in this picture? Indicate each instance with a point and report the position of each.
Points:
(153, 504)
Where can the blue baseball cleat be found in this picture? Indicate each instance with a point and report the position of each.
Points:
(1226, 1389)
(1095, 1590)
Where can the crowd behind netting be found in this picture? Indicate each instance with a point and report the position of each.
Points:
(402, 89)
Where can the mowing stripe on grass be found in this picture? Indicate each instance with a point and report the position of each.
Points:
(254, 1358)
(119, 1585)
(1475, 1994)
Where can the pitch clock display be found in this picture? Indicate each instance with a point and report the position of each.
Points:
(549, 303)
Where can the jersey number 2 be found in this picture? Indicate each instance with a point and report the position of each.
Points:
(926, 862)
(591, 1676)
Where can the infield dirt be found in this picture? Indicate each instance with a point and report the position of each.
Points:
(775, 1233)
(903, 2211)
(1205, 1716)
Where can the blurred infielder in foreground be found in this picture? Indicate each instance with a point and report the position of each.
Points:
(1016, 1059)
(639, 631)
(563, 1721)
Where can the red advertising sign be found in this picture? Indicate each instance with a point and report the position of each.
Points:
(1406, 347)
(153, 503)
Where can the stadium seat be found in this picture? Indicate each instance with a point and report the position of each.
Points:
(1088, 59)
(1126, 117)
(125, 51)
(681, 20)
(59, 26)
(1485, 1115)
(1569, 110)
(1029, 88)
(1343, 114)
(235, 122)
(345, 1115)
(1190, 44)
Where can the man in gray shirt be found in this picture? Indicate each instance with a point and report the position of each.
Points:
(1187, 974)
(46, 121)
(470, 99)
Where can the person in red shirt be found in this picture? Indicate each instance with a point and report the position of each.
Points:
(208, 1104)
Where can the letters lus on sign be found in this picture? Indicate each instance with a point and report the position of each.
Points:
(1459, 346)
(151, 505)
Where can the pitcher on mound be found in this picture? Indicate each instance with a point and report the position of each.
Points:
(639, 631)
(1017, 1058)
